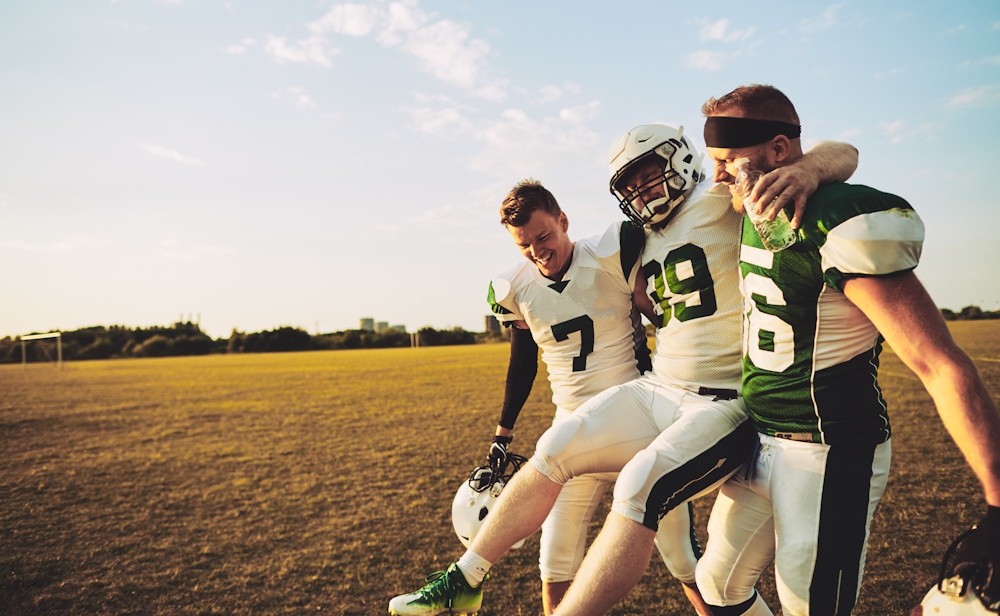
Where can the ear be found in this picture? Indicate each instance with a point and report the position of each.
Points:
(780, 149)
(563, 221)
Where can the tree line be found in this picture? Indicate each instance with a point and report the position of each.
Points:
(187, 338)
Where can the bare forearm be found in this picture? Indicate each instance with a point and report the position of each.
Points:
(971, 418)
(831, 161)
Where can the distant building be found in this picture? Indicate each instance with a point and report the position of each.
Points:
(381, 327)
(367, 324)
(399, 328)
(491, 324)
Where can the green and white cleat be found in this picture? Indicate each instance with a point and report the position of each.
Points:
(446, 592)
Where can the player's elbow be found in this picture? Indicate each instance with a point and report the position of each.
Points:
(945, 367)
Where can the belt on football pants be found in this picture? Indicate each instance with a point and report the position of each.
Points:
(716, 392)
(803, 437)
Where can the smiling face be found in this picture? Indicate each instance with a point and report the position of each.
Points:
(543, 241)
(724, 168)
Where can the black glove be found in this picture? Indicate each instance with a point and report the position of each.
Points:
(975, 558)
(497, 458)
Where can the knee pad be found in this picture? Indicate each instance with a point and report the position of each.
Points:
(552, 447)
(631, 489)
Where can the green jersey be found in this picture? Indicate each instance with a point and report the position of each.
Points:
(810, 361)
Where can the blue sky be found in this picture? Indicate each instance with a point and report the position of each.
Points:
(257, 164)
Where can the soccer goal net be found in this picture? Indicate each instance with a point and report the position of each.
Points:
(46, 350)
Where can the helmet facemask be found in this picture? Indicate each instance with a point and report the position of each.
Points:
(680, 171)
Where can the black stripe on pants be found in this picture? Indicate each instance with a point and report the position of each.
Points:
(698, 473)
(843, 521)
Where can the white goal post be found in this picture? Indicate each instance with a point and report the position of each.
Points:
(56, 335)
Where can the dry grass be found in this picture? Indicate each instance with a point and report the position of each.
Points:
(321, 483)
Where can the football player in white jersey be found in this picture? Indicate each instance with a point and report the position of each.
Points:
(689, 396)
(815, 320)
(572, 300)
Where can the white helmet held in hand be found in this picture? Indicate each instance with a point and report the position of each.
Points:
(938, 602)
(957, 592)
(476, 497)
(681, 170)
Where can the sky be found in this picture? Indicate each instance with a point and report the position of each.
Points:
(251, 165)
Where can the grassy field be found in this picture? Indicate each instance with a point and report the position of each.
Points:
(322, 482)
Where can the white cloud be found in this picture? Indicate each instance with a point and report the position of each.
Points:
(719, 31)
(824, 21)
(440, 115)
(350, 19)
(444, 48)
(170, 2)
(521, 145)
(890, 72)
(976, 97)
(238, 49)
(446, 51)
(897, 131)
(704, 60)
(959, 29)
(984, 61)
(400, 19)
(173, 155)
(580, 113)
(311, 50)
(551, 93)
(298, 96)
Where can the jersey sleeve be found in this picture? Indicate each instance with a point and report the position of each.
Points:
(869, 233)
(501, 300)
(521, 372)
(624, 241)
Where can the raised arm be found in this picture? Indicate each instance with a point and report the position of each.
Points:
(827, 161)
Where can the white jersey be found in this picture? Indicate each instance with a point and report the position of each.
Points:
(584, 324)
(692, 272)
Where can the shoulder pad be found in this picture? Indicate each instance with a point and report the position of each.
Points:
(862, 231)
(498, 292)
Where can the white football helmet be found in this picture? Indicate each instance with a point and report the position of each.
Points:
(951, 600)
(955, 595)
(475, 499)
(681, 170)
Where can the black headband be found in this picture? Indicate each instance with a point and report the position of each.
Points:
(725, 132)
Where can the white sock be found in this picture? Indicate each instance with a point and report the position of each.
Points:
(474, 567)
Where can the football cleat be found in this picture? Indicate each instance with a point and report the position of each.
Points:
(477, 495)
(446, 592)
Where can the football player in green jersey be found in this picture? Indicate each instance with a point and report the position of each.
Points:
(816, 317)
